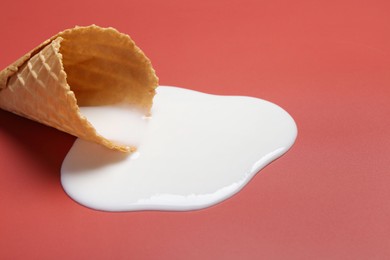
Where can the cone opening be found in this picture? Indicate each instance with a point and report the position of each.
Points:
(104, 67)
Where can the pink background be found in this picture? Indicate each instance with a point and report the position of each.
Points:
(326, 62)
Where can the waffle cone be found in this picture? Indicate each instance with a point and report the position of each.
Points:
(83, 66)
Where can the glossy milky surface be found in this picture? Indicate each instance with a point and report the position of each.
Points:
(195, 151)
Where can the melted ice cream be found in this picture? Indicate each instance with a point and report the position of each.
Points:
(195, 151)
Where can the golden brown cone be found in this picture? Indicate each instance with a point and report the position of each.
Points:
(86, 66)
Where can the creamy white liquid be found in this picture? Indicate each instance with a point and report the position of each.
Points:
(195, 151)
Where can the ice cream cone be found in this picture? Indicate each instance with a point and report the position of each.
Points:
(83, 66)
